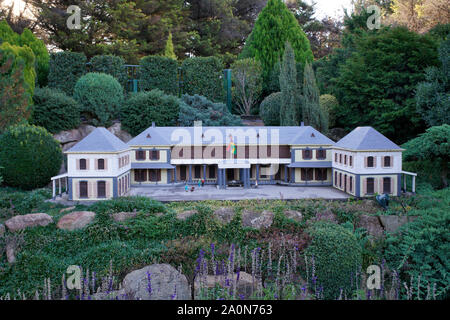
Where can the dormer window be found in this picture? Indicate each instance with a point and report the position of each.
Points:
(83, 164)
(370, 162)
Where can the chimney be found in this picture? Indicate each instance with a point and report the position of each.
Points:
(153, 124)
(302, 124)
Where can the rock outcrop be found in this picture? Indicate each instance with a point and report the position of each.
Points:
(31, 220)
(76, 220)
(257, 220)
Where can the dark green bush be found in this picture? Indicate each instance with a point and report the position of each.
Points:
(129, 204)
(112, 65)
(337, 254)
(65, 69)
(427, 172)
(159, 72)
(198, 108)
(30, 156)
(100, 96)
(54, 110)
(269, 109)
(204, 76)
(142, 108)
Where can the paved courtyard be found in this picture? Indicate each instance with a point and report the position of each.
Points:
(177, 193)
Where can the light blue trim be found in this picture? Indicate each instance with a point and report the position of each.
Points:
(115, 191)
(69, 189)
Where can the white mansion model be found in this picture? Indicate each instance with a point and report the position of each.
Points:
(362, 164)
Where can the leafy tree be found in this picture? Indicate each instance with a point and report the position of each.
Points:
(54, 111)
(169, 51)
(290, 90)
(276, 25)
(269, 110)
(329, 105)
(100, 96)
(65, 69)
(159, 72)
(247, 80)
(432, 145)
(198, 108)
(30, 156)
(14, 96)
(433, 95)
(312, 114)
(143, 108)
(26, 55)
(112, 65)
(375, 86)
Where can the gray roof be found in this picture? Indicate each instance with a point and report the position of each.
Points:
(366, 138)
(311, 164)
(162, 136)
(99, 140)
(147, 165)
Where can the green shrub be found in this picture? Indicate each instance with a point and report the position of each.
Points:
(198, 108)
(100, 97)
(112, 65)
(54, 110)
(30, 156)
(159, 73)
(27, 38)
(203, 76)
(269, 109)
(142, 108)
(129, 204)
(337, 254)
(65, 69)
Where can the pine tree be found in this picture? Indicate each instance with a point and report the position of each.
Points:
(14, 98)
(290, 90)
(276, 25)
(312, 114)
(169, 51)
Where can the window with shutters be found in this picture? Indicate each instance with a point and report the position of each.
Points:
(350, 187)
(155, 154)
(321, 174)
(83, 189)
(340, 180)
(140, 175)
(340, 158)
(370, 162)
(350, 161)
(307, 174)
(387, 162)
(370, 185)
(83, 164)
(335, 179)
(307, 154)
(345, 159)
(386, 185)
(140, 155)
(321, 154)
(101, 164)
(212, 172)
(335, 157)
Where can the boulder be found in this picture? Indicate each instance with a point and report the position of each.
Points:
(244, 285)
(2, 230)
(28, 221)
(76, 220)
(64, 137)
(371, 224)
(392, 223)
(257, 220)
(224, 215)
(122, 216)
(156, 282)
(116, 129)
(294, 215)
(85, 130)
(67, 209)
(186, 214)
(69, 145)
(10, 253)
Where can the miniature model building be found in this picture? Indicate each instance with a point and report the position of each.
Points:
(363, 163)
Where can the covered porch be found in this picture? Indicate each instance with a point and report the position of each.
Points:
(413, 176)
(60, 185)
(233, 172)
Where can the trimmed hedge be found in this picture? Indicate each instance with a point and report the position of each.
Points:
(65, 69)
(30, 156)
(159, 73)
(198, 108)
(142, 108)
(269, 110)
(100, 96)
(54, 110)
(337, 255)
(112, 65)
(203, 76)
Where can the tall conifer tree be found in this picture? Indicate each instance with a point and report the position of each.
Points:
(290, 93)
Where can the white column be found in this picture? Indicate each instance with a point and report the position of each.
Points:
(414, 184)
(54, 188)
(59, 186)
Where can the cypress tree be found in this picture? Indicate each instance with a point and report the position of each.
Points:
(276, 25)
(312, 114)
(290, 91)
(169, 51)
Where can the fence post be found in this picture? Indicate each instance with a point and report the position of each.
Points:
(227, 86)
